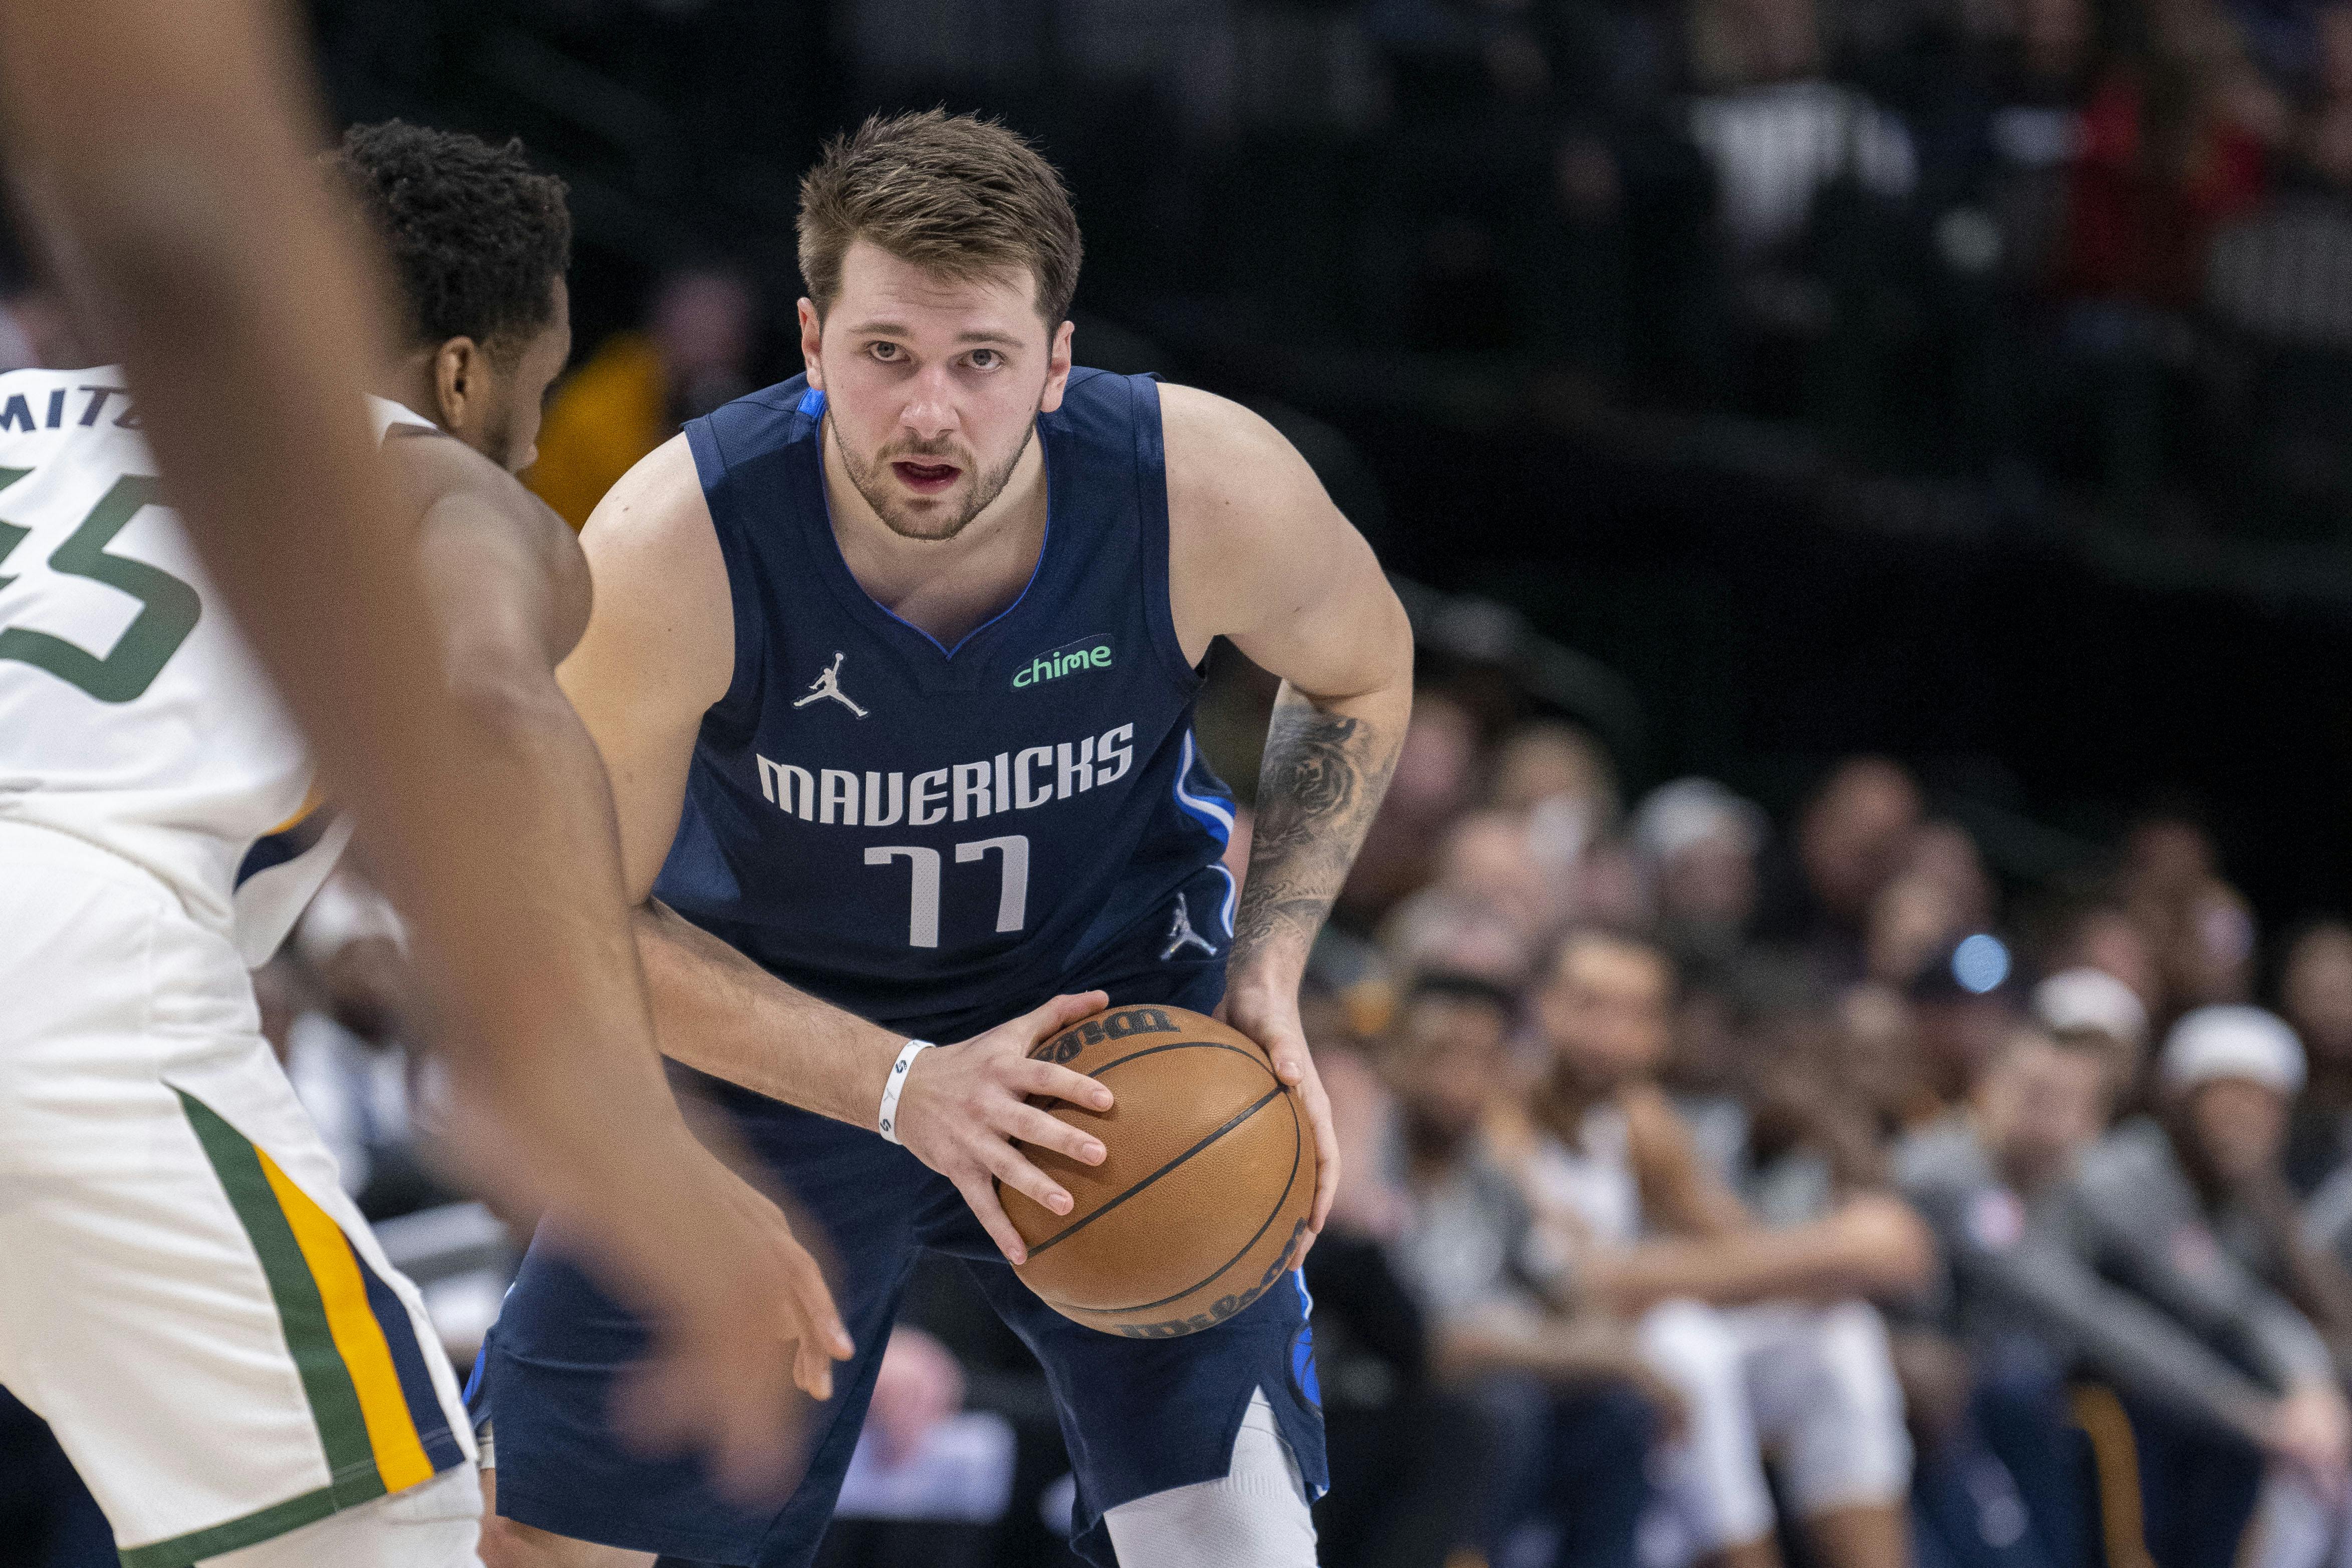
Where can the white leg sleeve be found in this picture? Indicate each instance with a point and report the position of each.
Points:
(1822, 1384)
(436, 1525)
(1714, 1480)
(1256, 1517)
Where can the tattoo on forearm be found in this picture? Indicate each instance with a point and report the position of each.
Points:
(1321, 781)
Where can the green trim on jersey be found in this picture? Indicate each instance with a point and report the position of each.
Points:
(262, 1524)
(301, 1311)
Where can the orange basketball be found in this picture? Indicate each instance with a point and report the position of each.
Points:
(1203, 1199)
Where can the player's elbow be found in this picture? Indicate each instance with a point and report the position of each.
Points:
(512, 699)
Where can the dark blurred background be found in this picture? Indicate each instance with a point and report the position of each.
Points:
(1961, 378)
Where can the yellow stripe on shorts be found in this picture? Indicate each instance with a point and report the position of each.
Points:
(359, 1338)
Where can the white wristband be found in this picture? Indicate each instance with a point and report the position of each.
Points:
(898, 1081)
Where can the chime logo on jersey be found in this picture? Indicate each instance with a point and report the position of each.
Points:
(1069, 659)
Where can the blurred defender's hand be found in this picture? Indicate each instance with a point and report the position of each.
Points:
(741, 1317)
(1270, 1017)
(964, 1106)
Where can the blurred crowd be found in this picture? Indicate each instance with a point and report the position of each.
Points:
(1726, 1192)
(2089, 247)
(2099, 242)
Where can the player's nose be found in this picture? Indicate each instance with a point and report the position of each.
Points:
(930, 412)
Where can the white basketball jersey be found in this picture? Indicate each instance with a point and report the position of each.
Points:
(131, 713)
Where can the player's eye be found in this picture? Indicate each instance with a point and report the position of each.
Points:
(883, 349)
(986, 359)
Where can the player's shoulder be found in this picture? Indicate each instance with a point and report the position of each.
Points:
(1227, 468)
(659, 498)
(1209, 428)
(653, 531)
(743, 430)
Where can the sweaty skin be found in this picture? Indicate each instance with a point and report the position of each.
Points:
(161, 150)
(955, 373)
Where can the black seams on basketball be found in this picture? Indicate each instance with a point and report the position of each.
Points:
(1202, 1203)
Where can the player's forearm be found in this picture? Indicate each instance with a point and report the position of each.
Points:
(719, 1012)
(1326, 767)
(585, 1120)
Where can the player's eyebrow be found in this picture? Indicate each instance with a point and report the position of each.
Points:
(901, 329)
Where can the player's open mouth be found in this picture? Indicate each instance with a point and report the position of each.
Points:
(926, 479)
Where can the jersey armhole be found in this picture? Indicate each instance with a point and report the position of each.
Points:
(710, 467)
(1152, 509)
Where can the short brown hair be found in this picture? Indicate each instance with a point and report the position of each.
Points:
(951, 193)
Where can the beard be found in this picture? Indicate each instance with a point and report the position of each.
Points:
(873, 481)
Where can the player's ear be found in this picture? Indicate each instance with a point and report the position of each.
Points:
(457, 383)
(813, 343)
(1058, 368)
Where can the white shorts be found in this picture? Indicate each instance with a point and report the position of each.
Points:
(187, 1296)
(1815, 1384)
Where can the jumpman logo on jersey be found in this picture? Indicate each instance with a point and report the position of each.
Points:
(1182, 935)
(828, 685)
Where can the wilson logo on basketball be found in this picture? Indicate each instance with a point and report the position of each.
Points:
(1111, 1026)
(1222, 1307)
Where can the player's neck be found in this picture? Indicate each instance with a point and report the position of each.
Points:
(409, 383)
(946, 587)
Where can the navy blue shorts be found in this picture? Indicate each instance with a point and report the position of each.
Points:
(1140, 1415)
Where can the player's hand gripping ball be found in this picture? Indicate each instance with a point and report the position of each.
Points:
(1202, 1203)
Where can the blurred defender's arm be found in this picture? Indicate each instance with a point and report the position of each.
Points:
(160, 147)
(511, 595)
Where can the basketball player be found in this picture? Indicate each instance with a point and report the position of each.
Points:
(222, 1348)
(893, 665)
(157, 148)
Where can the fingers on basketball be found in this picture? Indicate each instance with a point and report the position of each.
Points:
(1203, 1199)
(979, 1193)
(1053, 1082)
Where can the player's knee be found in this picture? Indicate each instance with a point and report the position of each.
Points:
(1256, 1516)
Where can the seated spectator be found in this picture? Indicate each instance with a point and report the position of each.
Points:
(2229, 1076)
(1963, 1005)
(1776, 129)
(929, 1478)
(1698, 843)
(1436, 773)
(2107, 937)
(1560, 1381)
(1725, 1307)
(2091, 1001)
(2044, 1274)
(2316, 993)
(1853, 837)
(638, 388)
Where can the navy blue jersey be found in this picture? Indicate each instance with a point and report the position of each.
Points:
(936, 837)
